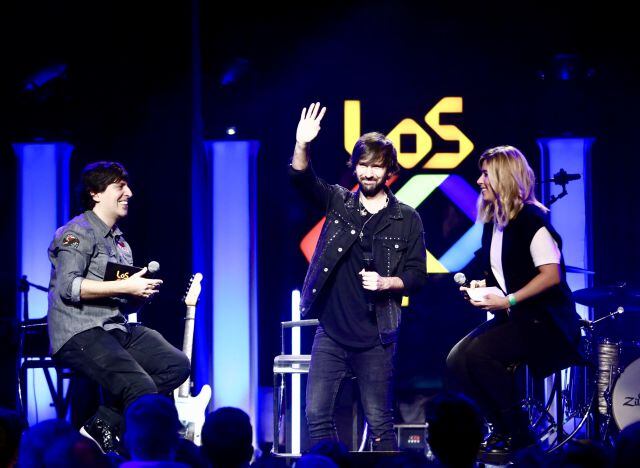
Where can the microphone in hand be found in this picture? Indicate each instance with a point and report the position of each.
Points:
(461, 280)
(367, 260)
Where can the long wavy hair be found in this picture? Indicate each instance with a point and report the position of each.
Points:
(512, 182)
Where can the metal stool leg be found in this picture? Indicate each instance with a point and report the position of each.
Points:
(276, 413)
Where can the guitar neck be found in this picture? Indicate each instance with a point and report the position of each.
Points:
(187, 346)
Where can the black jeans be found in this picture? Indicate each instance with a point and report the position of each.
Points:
(126, 364)
(373, 368)
(482, 365)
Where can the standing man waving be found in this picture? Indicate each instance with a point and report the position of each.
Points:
(370, 252)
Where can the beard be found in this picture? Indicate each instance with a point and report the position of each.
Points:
(372, 190)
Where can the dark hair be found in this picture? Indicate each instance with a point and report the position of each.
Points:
(96, 177)
(152, 427)
(227, 437)
(11, 427)
(39, 438)
(375, 146)
(455, 429)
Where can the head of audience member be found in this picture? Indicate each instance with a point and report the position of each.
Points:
(40, 438)
(227, 438)
(312, 460)
(72, 450)
(334, 449)
(151, 429)
(455, 429)
(190, 454)
(408, 459)
(11, 428)
(582, 453)
(627, 447)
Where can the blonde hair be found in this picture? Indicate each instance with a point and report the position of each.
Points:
(512, 182)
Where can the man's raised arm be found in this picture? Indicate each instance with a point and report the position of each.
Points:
(307, 130)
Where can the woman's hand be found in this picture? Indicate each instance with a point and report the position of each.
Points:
(472, 284)
(492, 302)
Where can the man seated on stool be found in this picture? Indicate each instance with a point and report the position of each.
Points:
(87, 326)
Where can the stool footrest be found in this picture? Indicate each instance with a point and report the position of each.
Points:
(291, 364)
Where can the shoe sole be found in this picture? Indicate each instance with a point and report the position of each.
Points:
(84, 433)
(495, 458)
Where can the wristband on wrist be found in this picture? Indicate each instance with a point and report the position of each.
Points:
(512, 299)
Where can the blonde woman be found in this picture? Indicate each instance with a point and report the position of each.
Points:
(535, 322)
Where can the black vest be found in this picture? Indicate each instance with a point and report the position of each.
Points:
(554, 306)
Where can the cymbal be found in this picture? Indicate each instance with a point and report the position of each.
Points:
(609, 296)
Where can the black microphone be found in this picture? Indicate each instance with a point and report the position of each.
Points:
(563, 178)
(367, 260)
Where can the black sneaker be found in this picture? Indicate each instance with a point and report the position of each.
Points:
(105, 436)
(496, 450)
(492, 439)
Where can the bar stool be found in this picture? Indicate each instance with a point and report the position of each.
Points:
(34, 353)
(284, 364)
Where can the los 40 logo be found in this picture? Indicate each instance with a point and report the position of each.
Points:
(424, 143)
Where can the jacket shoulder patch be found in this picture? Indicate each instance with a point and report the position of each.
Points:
(70, 240)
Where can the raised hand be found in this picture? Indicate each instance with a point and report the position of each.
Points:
(309, 124)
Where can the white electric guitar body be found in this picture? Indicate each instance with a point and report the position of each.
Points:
(191, 410)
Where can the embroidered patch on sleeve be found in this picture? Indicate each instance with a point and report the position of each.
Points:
(71, 240)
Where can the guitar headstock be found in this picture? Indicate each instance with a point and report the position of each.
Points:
(193, 291)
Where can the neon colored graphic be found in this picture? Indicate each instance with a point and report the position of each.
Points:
(448, 105)
(423, 142)
(351, 124)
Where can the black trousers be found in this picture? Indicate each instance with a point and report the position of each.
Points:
(482, 364)
(126, 364)
(373, 368)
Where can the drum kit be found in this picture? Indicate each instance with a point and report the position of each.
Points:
(617, 358)
(611, 379)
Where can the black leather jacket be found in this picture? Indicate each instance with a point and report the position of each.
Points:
(398, 247)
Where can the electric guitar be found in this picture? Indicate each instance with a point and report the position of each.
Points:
(191, 410)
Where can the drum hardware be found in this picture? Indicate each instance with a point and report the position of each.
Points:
(576, 403)
(584, 271)
(617, 381)
(590, 324)
(625, 398)
(609, 296)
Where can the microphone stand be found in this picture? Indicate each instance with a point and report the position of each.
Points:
(559, 178)
(23, 287)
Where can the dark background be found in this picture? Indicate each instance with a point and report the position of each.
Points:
(142, 77)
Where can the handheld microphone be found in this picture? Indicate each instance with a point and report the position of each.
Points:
(367, 258)
(152, 268)
(460, 279)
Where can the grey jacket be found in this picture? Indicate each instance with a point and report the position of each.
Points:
(81, 249)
